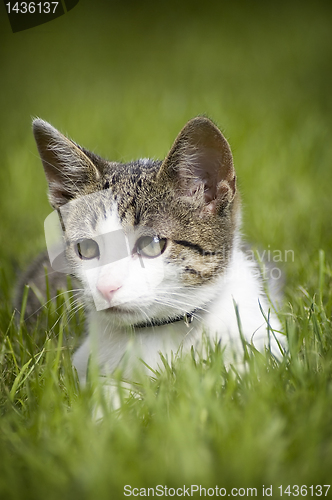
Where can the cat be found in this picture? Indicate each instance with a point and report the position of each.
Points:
(157, 248)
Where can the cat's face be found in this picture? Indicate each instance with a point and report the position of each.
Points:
(147, 239)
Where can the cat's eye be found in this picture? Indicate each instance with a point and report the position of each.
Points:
(150, 246)
(87, 249)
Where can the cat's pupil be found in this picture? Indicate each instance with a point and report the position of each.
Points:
(150, 246)
(87, 249)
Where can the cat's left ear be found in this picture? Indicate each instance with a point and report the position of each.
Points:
(200, 165)
(67, 168)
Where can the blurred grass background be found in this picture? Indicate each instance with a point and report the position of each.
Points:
(122, 78)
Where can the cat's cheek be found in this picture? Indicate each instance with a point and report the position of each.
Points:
(149, 272)
(139, 285)
(89, 280)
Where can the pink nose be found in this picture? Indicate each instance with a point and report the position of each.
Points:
(108, 290)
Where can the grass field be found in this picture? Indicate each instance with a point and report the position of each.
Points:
(122, 79)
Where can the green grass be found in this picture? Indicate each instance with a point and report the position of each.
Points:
(122, 80)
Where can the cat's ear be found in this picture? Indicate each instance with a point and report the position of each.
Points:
(68, 169)
(200, 165)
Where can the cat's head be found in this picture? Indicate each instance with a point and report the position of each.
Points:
(148, 239)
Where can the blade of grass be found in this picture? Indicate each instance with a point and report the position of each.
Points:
(19, 380)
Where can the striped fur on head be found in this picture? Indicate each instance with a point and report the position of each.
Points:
(189, 199)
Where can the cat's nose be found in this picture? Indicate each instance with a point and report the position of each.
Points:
(108, 290)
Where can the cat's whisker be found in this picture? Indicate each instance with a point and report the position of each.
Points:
(183, 302)
(188, 306)
(41, 307)
(68, 315)
(74, 311)
(65, 293)
(148, 318)
(75, 299)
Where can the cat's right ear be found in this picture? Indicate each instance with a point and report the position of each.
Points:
(200, 166)
(67, 167)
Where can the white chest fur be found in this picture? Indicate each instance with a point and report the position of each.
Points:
(114, 345)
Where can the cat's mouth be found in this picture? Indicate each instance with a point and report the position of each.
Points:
(118, 309)
(132, 316)
(124, 312)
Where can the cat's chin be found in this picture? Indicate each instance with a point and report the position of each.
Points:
(127, 316)
(123, 314)
(121, 310)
